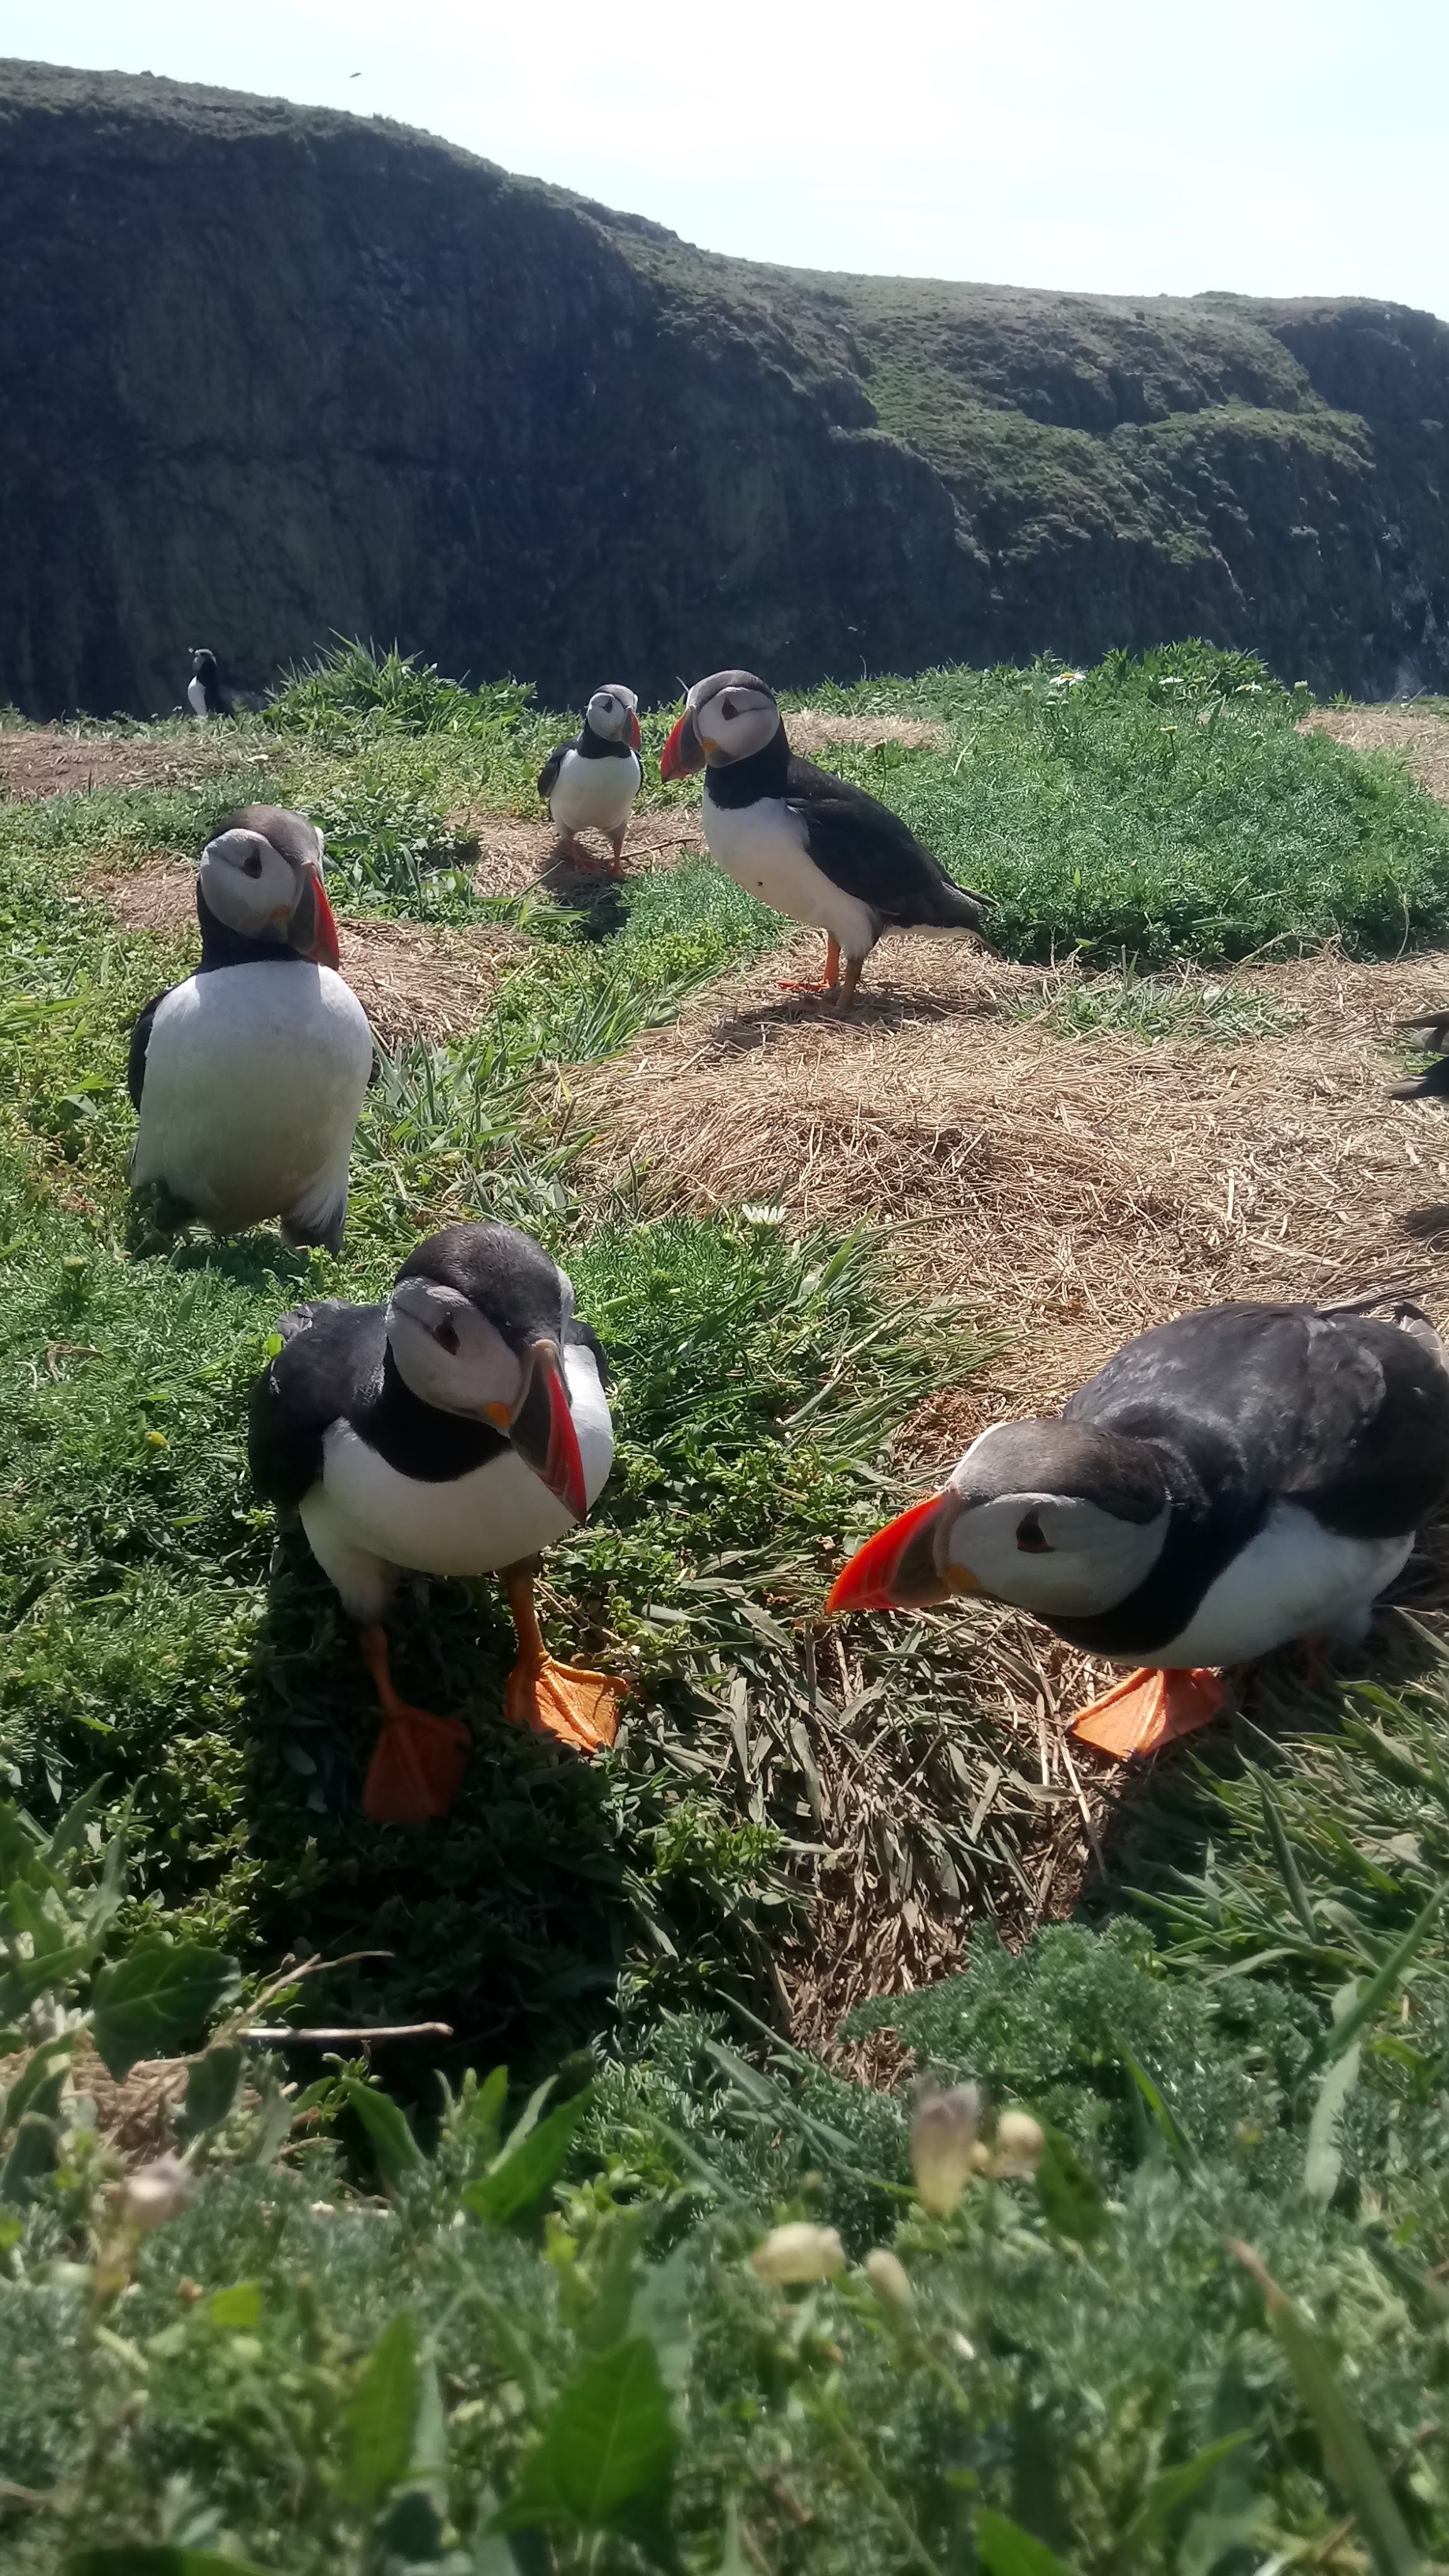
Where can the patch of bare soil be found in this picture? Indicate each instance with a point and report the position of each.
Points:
(1423, 739)
(47, 760)
(516, 856)
(413, 981)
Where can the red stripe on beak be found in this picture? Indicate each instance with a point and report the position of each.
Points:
(633, 730)
(318, 940)
(896, 1570)
(682, 754)
(543, 1431)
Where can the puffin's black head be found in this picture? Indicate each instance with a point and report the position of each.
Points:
(203, 662)
(726, 718)
(261, 876)
(1057, 1517)
(476, 1325)
(613, 714)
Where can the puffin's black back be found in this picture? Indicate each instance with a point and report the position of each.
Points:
(1339, 1411)
(857, 842)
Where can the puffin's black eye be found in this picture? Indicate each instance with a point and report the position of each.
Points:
(1029, 1537)
(728, 710)
(445, 1337)
(251, 865)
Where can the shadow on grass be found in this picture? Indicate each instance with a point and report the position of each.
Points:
(509, 1919)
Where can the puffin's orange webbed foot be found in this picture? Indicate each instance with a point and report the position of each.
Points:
(1149, 1709)
(417, 1769)
(825, 983)
(574, 1706)
(418, 1765)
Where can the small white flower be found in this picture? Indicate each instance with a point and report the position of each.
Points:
(890, 2281)
(1019, 2143)
(799, 2253)
(154, 2193)
(943, 2144)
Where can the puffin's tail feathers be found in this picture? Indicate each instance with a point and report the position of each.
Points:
(1431, 1084)
(1393, 1307)
(300, 1319)
(962, 909)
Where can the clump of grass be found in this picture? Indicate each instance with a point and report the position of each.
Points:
(1164, 806)
(352, 691)
(1153, 1009)
(390, 851)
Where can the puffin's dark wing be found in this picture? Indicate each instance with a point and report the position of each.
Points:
(330, 1363)
(140, 1040)
(548, 775)
(870, 853)
(1342, 1412)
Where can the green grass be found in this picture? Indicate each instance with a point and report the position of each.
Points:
(1153, 1009)
(1165, 808)
(383, 2373)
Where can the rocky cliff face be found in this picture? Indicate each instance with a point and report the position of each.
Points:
(269, 373)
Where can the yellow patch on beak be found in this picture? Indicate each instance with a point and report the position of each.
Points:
(707, 743)
(957, 1579)
(498, 1414)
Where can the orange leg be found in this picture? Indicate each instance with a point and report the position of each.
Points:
(562, 1700)
(829, 979)
(420, 1759)
(586, 863)
(1148, 1710)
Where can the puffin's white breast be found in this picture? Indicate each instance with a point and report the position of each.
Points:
(253, 1087)
(762, 846)
(476, 1523)
(599, 793)
(196, 698)
(1295, 1579)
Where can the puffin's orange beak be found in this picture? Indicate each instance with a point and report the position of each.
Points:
(896, 1570)
(542, 1428)
(314, 932)
(683, 753)
(633, 731)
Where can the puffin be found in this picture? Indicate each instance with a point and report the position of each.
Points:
(809, 845)
(205, 694)
(459, 1429)
(1431, 1034)
(593, 780)
(248, 1078)
(1240, 1478)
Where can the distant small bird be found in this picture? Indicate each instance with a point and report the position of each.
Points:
(206, 693)
(458, 1429)
(591, 782)
(248, 1079)
(1431, 1032)
(809, 845)
(1237, 1479)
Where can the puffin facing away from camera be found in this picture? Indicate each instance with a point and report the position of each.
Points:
(1243, 1477)
(205, 694)
(248, 1078)
(807, 844)
(592, 781)
(459, 1429)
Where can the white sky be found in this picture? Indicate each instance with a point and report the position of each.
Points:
(1276, 146)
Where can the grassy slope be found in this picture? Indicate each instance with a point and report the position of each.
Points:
(146, 1650)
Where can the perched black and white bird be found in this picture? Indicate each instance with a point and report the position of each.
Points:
(206, 693)
(458, 1429)
(1237, 1479)
(807, 844)
(248, 1078)
(591, 782)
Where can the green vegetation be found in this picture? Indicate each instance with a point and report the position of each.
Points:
(511, 2328)
(1153, 1008)
(1163, 807)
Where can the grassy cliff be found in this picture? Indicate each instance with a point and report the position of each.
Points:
(270, 372)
